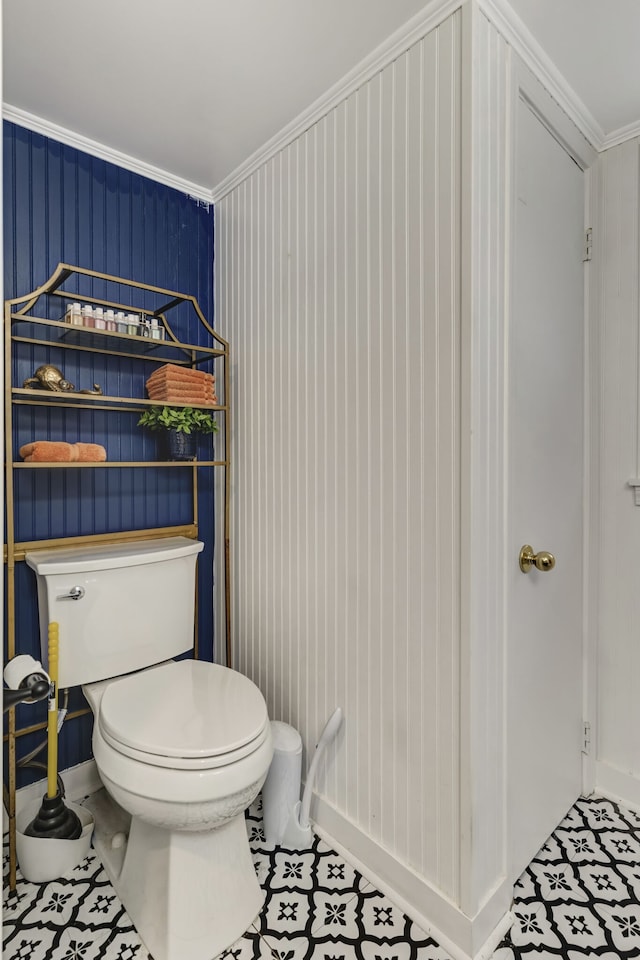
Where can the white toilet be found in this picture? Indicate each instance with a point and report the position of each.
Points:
(183, 747)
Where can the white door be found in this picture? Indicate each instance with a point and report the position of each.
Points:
(545, 411)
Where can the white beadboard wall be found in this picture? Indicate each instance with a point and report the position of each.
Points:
(338, 285)
(618, 667)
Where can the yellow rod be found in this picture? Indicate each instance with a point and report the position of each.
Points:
(52, 716)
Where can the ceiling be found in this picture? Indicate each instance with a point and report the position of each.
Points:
(195, 87)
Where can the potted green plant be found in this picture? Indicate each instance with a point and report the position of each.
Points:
(181, 425)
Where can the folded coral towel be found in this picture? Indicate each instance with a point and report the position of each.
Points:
(170, 397)
(171, 371)
(181, 368)
(185, 392)
(51, 451)
(197, 385)
(171, 383)
(195, 388)
(161, 392)
(175, 378)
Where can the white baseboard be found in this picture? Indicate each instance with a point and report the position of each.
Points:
(79, 782)
(618, 785)
(465, 938)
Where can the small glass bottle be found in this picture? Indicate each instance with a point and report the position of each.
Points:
(155, 329)
(87, 316)
(121, 322)
(133, 321)
(98, 314)
(110, 320)
(76, 314)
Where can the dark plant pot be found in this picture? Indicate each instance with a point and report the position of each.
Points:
(179, 445)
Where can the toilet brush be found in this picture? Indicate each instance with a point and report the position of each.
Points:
(54, 821)
(298, 834)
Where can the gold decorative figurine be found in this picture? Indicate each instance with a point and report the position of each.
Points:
(48, 377)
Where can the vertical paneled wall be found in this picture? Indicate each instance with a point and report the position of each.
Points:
(618, 259)
(338, 272)
(487, 70)
(63, 205)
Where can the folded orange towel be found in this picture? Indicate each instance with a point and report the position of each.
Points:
(195, 391)
(170, 370)
(163, 394)
(170, 396)
(172, 378)
(89, 452)
(57, 451)
(46, 450)
(188, 398)
(182, 385)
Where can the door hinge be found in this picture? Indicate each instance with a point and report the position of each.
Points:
(586, 738)
(588, 244)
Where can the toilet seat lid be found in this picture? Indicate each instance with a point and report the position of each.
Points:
(189, 708)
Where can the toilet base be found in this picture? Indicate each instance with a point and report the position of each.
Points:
(190, 895)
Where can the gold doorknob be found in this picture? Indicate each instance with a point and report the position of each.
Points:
(541, 561)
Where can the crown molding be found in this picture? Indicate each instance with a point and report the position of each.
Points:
(518, 36)
(435, 12)
(506, 22)
(103, 152)
(621, 135)
(498, 12)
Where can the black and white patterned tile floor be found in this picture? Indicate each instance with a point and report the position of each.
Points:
(579, 898)
(316, 906)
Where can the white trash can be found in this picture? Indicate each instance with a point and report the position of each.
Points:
(281, 790)
(43, 858)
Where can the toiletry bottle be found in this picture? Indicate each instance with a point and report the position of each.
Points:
(132, 324)
(98, 314)
(155, 329)
(121, 322)
(110, 320)
(87, 316)
(76, 314)
(68, 315)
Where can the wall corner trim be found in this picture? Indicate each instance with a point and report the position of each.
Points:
(96, 149)
(518, 36)
(433, 14)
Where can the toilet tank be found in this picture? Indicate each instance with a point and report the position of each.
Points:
(136, 606)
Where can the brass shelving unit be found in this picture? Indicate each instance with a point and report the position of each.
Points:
(23, 326)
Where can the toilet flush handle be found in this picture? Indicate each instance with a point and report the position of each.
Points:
(75, 593)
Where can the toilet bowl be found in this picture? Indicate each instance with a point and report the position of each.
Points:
(183, 748)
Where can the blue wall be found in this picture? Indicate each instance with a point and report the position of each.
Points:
(63, 205)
